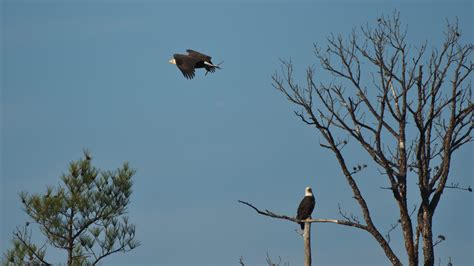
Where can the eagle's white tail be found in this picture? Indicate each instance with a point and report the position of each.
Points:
(212, 65)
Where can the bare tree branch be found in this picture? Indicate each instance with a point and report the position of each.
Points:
(292, 219)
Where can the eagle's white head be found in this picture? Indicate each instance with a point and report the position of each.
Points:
(172, 61)
(308, 192)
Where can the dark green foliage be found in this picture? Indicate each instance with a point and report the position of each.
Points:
(83, 216)
(23, 251)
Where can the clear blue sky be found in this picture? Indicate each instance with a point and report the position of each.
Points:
(89, 75)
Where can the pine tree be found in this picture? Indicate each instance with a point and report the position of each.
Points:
(84, 216)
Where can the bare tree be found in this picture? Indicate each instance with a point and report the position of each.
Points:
(409, 110)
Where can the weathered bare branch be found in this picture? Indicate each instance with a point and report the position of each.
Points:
(292, 219)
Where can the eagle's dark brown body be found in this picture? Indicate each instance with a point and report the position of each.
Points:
(188, 63)
(306, 207)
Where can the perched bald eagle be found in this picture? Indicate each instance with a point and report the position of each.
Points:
(306, 206)
(187, 63)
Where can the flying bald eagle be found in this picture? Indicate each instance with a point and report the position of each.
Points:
(306, 206)
(187, 63)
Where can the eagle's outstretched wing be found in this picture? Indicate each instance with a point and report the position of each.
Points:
(199, 55)
(186, 64)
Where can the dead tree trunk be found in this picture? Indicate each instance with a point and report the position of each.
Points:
(307, 244)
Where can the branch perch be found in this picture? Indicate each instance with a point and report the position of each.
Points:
(292, 219)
